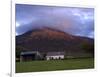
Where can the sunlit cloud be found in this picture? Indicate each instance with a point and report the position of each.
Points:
(17, 24)
(16, 33)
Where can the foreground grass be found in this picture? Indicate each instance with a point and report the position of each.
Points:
(36, 66)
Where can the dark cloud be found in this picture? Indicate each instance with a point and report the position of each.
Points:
(76, 21)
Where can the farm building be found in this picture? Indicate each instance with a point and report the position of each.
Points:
(55, 55)
(30, 55)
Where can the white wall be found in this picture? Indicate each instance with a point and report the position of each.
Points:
(55, 57)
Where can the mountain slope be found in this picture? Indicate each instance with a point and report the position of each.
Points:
(48, 40)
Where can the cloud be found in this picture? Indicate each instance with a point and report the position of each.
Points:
(76, 21)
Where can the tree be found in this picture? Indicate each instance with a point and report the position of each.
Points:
(88, 47)
(19, 49)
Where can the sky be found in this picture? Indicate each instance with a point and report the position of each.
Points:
(73, 20)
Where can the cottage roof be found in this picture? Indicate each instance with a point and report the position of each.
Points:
(55, 53)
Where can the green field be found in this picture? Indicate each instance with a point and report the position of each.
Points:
(52, 65)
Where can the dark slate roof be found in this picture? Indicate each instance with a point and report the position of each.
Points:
(29, 52)
(55, 53)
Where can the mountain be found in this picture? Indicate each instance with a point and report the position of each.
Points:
(48, 40)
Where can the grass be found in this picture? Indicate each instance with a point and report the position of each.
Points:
(53, 65)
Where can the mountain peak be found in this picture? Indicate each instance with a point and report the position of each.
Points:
(49, 33)
(49, 39)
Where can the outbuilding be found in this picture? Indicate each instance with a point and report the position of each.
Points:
(30, 56)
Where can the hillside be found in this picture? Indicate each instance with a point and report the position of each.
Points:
(48, 40)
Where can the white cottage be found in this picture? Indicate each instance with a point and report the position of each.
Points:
(55, 55)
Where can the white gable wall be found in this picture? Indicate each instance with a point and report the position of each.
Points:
(55, 57)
